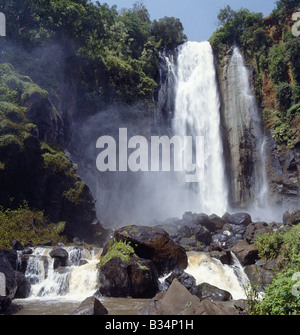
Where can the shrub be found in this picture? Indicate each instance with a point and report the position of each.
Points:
(279, 298)
(121, 250)
(25, 224)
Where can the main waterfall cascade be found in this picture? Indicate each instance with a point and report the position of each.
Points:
(197, 113)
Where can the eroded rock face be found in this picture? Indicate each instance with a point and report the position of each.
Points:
(156, 245)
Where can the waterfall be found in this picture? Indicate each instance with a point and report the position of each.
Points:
(230, 278)
(245, 138)
(197, 113)
(79, 279)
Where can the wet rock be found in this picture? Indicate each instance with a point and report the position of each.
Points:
(8, 283)
(206, 291)
(60, 256)
(223, 256)
(256, 229)
(179, 301)
(246, 253)
(136, 278)
(238, 218)
(156, 245)
(24, 286)
(184, 278)
(291, 217)
(91, 306)
(202, 235)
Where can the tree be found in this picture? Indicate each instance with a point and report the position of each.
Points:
(169, 32)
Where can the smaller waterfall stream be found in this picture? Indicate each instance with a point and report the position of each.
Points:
(209, 270)
(76, 281)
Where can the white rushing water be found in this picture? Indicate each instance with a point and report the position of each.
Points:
(244, 105)
(209, 270)
(79, 279)
(197, 114)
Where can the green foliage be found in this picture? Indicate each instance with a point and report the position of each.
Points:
(27, 225)
(115, 54)
(74, 194)
(242, 27)
(57, 163)
(279, 298)
(269, 245)
(168, 32)
(122, 250)
(283, 6)
(278, 64)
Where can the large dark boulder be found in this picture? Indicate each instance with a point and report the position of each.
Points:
(206, 291)
(246, 253)
(156, 245)
(256, 229)
(187, 280)
(60, 256)
(179, 301)
(24, 286)
(237, 218)
(202, 234)
(136, 278)
(8, 283)
(291, 217)
(91, 306)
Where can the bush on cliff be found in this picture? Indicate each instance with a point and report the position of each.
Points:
(27, 225)
(282, 295)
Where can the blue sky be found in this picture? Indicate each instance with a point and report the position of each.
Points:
(198, 17)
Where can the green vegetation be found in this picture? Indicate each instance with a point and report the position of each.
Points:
(270, 47)
(279, 296)
(122, 250)
(114, 53)
(26, 225)
(14, 126)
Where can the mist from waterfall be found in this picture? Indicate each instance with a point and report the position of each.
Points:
(146, 197)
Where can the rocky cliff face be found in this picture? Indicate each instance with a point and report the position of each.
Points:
(281, 163)
(242, 131)
(34, 167)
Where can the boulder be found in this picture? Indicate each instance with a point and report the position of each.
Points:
(188, 281)
(258, 276)
(91, 306)
(218, 221)
(8, 283)
(291, 217)
(238, 218)
(179, 301)
(24, 286)
(154, 244)
(137, 278)
(60, 256)
(209, 292)
(246, 253)
(202, 235)
(204, 221)
(223, 256)
(256, 229)
(12, 256)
